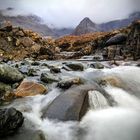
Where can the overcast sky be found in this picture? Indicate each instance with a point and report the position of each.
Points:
(68, 13)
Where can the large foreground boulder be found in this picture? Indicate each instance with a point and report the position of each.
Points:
(9, 74)
(71, 105)
(29, 88)
(10, 121)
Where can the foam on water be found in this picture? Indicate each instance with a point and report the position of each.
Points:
(112, 123)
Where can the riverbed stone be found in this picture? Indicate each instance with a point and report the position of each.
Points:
(55, 70)
(65, 84)
(48, 78)
(10, 121)
(97, 65)
(9, 74)
(75, 66)
(30, 88)
(71, 105)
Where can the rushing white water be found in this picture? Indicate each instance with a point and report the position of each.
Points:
(101, 122)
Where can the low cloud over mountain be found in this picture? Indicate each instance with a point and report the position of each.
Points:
(68, 13)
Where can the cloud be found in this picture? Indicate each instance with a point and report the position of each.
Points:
(68, 13)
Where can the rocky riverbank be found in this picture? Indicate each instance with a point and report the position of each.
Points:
(17, 44)
(59, 90)
(36, 94)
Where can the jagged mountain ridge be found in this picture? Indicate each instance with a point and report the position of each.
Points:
(36, 24)
(28, 22)
(116, 24)
(88, 26)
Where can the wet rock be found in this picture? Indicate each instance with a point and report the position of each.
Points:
(71, 105)
(48, 78)
(10, 121)
(35, 63)
(55, 70)
(24, 70)
(111, 80)
(97, 65)
(32, 72)
(9, 74)
(75, 66)
(138, 65)
(27, 134)
(28, 71)
(97, 100)
(66, 84)
(116, 40)
(29, 88)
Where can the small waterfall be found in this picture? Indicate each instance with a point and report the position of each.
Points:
(110, 124)
(102, 121)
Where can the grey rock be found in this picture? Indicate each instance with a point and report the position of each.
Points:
(116, 40)
(48, 78)
(71, 105)
(10, 121)
(65, 84)
(97, 65)
(9, 74)
(75, 66)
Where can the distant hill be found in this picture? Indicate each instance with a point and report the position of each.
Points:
(88, 26)
(120, 23)
(34, 23)
(29, 22)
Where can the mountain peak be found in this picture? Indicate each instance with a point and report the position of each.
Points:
(86, 26)
(87, 20)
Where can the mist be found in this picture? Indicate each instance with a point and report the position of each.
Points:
(68, 13)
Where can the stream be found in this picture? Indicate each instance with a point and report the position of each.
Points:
(114, 112)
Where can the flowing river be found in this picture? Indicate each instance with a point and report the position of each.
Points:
(119, 120)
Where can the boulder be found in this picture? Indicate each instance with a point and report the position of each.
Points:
(9, 74)
(10, 121)
(29, 88)
(75, 66)
(111, 80)
(97, 100)
(65, 84)
(35, 63)
(97, 65)
(55, 70)
(48, 78)
(116, 40)
(32, 72)
(71, 105)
